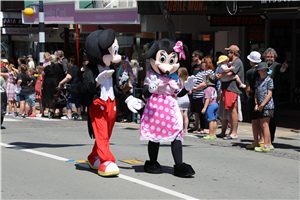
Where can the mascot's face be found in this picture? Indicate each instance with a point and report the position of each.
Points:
(165, 63)
(113, 56)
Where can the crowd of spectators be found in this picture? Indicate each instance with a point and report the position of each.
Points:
(215, 95)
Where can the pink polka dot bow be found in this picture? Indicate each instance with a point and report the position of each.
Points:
(179, 49)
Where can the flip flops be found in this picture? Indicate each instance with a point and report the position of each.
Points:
(220, 135)
(229, 138)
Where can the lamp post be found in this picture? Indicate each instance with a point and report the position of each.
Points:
(28, 12)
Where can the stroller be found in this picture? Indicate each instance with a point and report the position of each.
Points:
(60, 100)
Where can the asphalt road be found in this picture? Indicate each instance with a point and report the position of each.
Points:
(43, 159)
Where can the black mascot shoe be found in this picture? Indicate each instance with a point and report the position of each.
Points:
(152, 167)
(183, 170)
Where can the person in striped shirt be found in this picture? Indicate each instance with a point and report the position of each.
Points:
(198, 92)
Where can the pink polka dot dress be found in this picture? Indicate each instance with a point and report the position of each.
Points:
(162, 120)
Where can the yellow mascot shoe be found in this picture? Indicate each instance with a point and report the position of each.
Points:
(108, 168)
(94, 163)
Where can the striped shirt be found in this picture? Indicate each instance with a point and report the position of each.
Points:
(199, 79)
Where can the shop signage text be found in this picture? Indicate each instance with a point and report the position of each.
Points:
(277, 1)
(13, 22)
(59, 13)
(256, 33)
(176, 6)
(26, 31)
(236, 20)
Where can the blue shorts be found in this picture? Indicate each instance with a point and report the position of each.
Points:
(31, 100)
(24, 97)
(211, 112)
(74, 98)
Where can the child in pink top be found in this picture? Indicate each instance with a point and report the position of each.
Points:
(210, 105)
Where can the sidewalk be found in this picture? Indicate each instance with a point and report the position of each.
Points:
(286, 141)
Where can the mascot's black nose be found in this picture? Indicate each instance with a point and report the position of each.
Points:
(167, 72)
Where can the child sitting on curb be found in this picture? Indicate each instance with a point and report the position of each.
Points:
(210, 105)
(223, 68)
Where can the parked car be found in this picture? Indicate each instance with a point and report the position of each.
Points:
(3, 102)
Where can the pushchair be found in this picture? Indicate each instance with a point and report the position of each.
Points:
(60, 100)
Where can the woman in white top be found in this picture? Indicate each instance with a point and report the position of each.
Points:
(184, 101)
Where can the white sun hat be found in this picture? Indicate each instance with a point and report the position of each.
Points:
(254, 57)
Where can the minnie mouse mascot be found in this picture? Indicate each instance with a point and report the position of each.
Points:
(101, 89)
(162, 120)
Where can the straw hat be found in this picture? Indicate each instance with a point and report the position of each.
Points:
(222, 58)
(4, 60)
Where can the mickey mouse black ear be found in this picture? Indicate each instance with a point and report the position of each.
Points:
(100, 27)
(107, 38)
(123, 57)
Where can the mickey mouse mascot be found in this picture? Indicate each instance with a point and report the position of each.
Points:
(101, 89)
(162, 120)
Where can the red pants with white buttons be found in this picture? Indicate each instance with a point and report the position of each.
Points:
(103, 116)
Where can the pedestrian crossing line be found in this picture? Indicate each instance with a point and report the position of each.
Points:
(128, 178)
(44, 119)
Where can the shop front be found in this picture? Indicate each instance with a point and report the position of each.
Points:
(64, 15)
(212, 26)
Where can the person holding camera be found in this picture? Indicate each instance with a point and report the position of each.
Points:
(125, 80)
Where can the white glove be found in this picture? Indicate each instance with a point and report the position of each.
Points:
(189, 83)
(153, 83)
(134, 104)
(103, 76)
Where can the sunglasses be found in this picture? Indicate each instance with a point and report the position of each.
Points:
(193, 56)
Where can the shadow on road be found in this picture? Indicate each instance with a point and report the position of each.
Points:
(276, 145)
(29, 145)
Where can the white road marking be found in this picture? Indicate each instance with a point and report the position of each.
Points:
(156, 187)
(10, 119)
(128, 178)
(44, 119)
(35, 152)
(6, 119)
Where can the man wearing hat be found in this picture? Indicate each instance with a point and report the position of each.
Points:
(231, 92)
(251, 75)
(31, 63)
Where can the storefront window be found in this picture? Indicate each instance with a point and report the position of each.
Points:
(256, 41)
(204, 43)
(4, 47)
(281, 41)
(25, 48)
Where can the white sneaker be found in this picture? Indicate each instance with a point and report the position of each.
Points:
(65, 117)
(79, 118)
